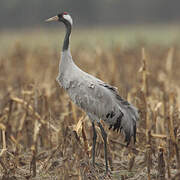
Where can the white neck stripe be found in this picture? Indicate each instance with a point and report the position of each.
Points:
(68, 18)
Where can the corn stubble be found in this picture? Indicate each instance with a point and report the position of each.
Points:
(45, 136)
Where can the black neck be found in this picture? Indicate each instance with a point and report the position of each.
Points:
(68, 33)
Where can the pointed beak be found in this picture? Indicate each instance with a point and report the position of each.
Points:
(54, 18)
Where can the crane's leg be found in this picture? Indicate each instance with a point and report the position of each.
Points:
(104, 135)
(94, 144)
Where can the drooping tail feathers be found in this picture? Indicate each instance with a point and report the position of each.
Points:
(126, 122)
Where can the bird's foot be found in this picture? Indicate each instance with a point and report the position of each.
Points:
(108, 174)
(96, 164)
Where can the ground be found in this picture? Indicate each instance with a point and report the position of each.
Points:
(45, 136)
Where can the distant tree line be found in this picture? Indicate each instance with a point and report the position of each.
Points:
(26, 13)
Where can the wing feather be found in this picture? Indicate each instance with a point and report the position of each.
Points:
(101, 100)
(130, 116)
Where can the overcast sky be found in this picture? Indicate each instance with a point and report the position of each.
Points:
(29, 13)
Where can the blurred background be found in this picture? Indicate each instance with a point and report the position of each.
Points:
(112, 20)
(19, 13)
(131, 44)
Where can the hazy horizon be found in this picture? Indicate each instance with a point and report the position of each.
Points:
(26, 14)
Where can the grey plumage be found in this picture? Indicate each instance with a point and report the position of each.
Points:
(97, 98)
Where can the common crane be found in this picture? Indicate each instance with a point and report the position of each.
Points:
(97, 98)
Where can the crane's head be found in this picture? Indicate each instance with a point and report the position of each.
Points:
(63, 17)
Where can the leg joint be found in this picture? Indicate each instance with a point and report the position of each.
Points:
(94, 132)
(104, 134)
(94, 135)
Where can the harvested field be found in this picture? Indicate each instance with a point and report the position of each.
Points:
(45, 136)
